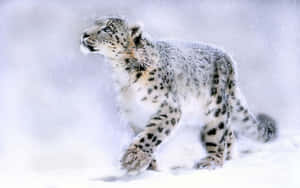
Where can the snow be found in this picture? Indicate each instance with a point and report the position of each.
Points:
(59, 125)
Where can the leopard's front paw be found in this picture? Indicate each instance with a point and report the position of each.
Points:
(209, 162)
(135, 160)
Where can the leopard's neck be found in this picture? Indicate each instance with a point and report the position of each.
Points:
(135, 62)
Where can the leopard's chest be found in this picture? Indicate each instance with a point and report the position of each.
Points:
(138, 104)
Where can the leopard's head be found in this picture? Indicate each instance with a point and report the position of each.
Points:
(111, 37)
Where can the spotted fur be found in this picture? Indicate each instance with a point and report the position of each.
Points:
(157, 80)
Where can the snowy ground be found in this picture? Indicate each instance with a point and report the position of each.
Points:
(58, 122)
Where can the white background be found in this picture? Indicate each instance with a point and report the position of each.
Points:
(58, 117)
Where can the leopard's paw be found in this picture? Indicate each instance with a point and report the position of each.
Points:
(135, 160)
(209, 162)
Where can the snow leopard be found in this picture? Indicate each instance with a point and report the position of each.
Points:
(163, 83)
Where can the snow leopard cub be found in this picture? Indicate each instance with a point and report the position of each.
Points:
(158, 81)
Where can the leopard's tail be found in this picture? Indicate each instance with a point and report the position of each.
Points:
(261, 127)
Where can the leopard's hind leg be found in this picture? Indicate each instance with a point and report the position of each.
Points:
(217, 135)
(217, 138)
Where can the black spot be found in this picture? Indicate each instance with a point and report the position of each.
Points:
(142, 140)
(149, 135)
(151, 79)
(118, 39)
(157, 118)
(213, 91)
(167, 122)
(140, 146)
(217, 112)
(167, 95)
(228, 145)
(230, 84)
(167, 132)
(223, 109)
(212, 132)
(158, 142)
(154, 139)
(127, 60)
(240, 109)
(147, 145)
(155, 87)
(152, 72)
(246, 119)
(173, 121)
(160, 129)
(216, 81)
(150, 125)
(210, 144)
(219, 99)
(149, 91)
(216, 76)
(211, 151)
(219, 156)
(138, 75)
(164, 115)
(221, 125)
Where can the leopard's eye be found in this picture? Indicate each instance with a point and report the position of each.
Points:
(107, 29)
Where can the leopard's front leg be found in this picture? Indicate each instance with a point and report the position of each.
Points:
(140, 152)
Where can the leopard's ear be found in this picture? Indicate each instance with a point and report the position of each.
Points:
(136, 34)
